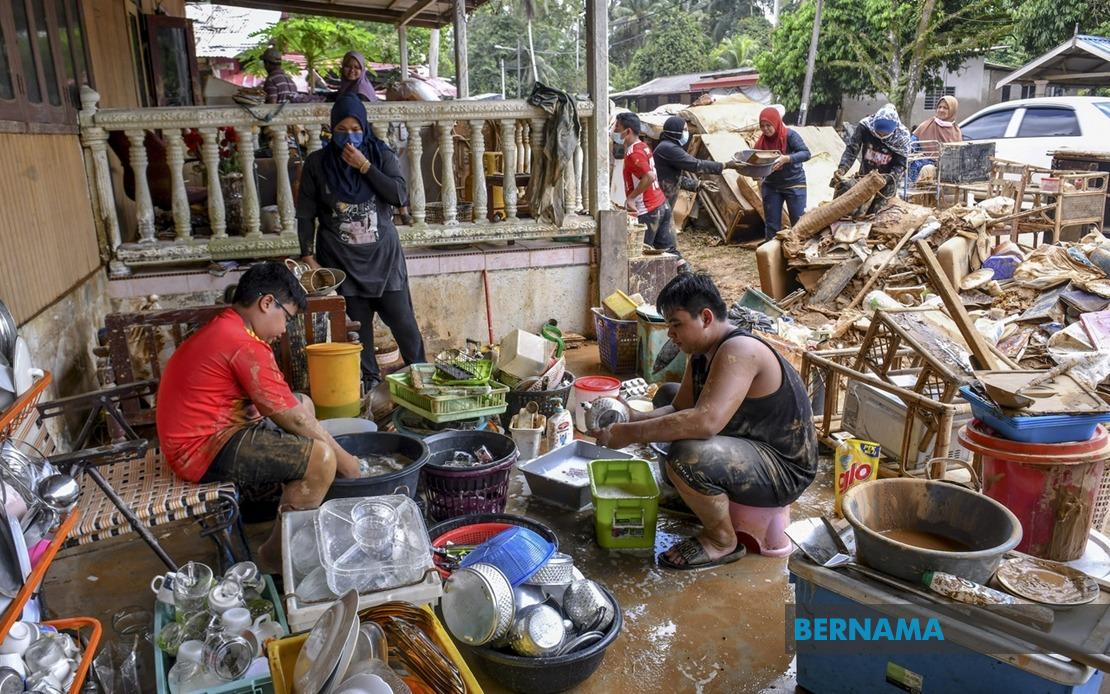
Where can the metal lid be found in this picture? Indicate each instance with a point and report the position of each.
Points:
(472, 604)
(10, 681)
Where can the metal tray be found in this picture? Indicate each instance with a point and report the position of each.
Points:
(548, 481)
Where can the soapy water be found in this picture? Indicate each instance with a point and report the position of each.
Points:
(375, 465)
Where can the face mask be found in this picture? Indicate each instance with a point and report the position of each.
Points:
(617, 137)
(684, 139)
(341, 138)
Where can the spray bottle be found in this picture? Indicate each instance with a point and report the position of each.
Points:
(560, 426)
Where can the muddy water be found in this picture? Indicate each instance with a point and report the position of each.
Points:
(925, 540)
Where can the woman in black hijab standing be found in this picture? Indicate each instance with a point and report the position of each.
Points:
(348, 192)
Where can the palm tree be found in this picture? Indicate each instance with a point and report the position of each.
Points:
(736, 51)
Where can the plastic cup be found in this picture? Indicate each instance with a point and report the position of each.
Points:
(375, 523)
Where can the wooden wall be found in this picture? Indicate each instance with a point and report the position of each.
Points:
(109, 38)
(48, 242)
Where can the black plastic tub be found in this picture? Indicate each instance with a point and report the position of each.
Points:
(516, 400)
(547, 675)
(381, 443)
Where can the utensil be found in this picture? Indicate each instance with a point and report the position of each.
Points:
(603, 412)
(558, 571)
(587, 606)
(478, 604)
(1013, 399)
(8, 332)
(56, 493)
(538, 631)
(580, 642)
(324, 648)
(1047, 582)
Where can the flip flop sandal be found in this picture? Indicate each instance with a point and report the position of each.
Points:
(696, 558)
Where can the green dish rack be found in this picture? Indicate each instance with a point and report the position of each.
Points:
(626, 503)
(480, 369)
(444, 408)
(163, 661)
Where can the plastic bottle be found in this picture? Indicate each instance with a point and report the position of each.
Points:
(856, 461)
(560, 427)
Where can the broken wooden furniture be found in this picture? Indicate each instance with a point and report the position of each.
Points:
(126, 485)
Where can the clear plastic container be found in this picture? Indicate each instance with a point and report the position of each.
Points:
(367, 563)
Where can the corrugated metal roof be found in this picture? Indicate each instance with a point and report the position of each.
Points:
(678, 84)
(225, 32)
(1081, 61)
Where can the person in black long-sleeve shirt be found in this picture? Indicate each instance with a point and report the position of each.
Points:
(672, 160)
(787, 181)
(350, 188)
(881, 143)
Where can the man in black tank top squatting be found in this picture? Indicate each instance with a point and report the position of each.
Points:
(740, 423)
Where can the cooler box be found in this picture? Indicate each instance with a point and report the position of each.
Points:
(876, 415)
(965, 667)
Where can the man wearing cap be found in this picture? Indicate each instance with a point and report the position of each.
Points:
(672, 159)
(280, 87)
(881, 143)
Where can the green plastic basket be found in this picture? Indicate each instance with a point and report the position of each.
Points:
(626, 503)
(444, 408)
(481, 368)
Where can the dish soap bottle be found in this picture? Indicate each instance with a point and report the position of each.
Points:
(560, 426)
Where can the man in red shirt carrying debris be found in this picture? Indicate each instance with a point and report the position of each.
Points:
(225, 412)
(643, 196)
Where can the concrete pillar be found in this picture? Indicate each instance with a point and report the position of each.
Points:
(597, 84)
(1041, 87)
(403, 41)
(462, 67)
(433, 54)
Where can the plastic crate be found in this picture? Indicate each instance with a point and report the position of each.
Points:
(1060, 428)
(302, 615)
(626, 519)
(482, 369)
(443, 408)
(282, 654)
(163, 662)
(617, 342)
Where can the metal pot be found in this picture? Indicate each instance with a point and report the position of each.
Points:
(538, 631)
(558, 571)
(604, 412)
(478, 605)
(587, 606)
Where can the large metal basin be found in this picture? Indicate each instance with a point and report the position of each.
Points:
(938, 508)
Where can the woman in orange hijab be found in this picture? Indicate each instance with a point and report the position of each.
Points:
(787, 181)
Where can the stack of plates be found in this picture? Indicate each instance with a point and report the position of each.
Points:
(327, 652)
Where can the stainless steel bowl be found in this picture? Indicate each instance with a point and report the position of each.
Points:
(478, 604)
(538, 631)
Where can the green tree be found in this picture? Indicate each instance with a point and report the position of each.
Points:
(739, 50)
(321, 41)
(880, 47)
(678, 47)
(725, 18)
(1041, 25)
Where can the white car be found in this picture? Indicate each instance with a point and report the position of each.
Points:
(1026, 130)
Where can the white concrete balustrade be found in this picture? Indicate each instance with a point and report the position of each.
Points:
(458, 133)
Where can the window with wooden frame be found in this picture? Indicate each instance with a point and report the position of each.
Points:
(43, 63)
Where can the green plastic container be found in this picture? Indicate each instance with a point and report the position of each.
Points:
(626, 503)
(653, 337)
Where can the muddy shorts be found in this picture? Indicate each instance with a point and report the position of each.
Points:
(261, 453)
(748, 472)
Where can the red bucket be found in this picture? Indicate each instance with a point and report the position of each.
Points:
(1050, 487)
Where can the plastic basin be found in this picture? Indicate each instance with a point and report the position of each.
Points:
(987, 527)
(548, 675)
(381, 443)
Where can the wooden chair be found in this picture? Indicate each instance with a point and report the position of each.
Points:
(126, 486)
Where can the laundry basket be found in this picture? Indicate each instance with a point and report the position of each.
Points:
(617, 342)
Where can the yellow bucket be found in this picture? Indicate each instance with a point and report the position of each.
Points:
(334, 378)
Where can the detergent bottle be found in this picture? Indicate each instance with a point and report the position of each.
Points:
(560, 426)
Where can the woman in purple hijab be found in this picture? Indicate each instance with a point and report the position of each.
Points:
(354, 80)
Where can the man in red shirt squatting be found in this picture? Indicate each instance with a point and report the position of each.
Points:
(225, 412)
(643, 196)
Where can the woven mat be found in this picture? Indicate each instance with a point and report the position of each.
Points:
(151, 490)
